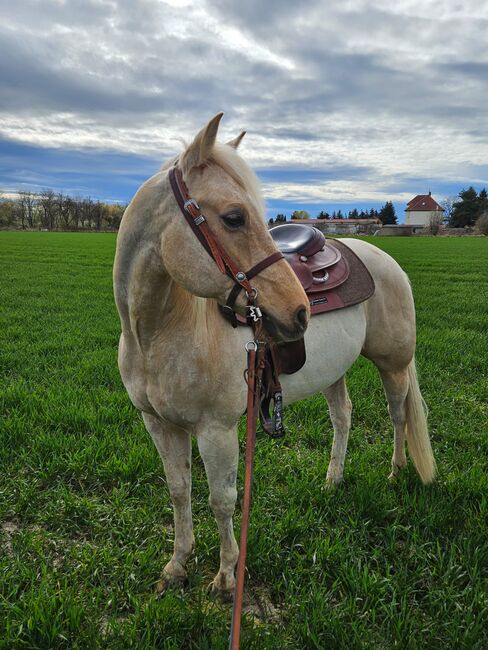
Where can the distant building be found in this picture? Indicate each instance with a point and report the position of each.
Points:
(421, 209)
(341, 226)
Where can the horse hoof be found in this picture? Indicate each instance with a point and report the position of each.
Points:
(167, 583)
(395, 471)
(223, 596)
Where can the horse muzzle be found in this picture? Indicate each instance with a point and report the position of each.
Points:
(295, 329)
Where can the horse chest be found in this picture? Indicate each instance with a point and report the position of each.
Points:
(186, 383)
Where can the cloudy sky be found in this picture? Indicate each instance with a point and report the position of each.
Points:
(346, 103)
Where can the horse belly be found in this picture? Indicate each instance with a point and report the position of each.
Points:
(333, 341)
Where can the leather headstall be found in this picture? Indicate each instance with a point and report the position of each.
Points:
(199, 224)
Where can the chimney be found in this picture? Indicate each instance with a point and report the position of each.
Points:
(430, 193)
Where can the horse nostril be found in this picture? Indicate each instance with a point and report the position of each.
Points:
(301, 318)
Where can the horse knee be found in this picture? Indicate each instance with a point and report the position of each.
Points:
(223, 502)
(180, 493)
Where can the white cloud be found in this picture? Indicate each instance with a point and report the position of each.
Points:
(399, 89)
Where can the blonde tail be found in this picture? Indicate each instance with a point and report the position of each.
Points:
(418, 440)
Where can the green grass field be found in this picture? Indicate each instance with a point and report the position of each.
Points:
(86, 517)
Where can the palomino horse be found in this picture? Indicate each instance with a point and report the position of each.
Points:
(182, 363)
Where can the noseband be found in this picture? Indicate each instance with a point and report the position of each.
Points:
(199, 224)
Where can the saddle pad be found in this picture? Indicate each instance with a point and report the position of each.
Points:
(358, 287)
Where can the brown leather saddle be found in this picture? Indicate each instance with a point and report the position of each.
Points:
(333, 277)
(320, 265)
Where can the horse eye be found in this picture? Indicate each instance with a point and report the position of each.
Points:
(234, 219)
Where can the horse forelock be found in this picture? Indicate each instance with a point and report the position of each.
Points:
(231, 163)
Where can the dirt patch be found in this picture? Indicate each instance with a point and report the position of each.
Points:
(9, 528)
(259, 605)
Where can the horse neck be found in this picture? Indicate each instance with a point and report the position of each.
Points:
(152, 306)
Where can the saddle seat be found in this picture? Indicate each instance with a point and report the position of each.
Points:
(295, 238)
(318, 264)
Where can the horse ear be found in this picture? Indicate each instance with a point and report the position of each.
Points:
(236, 141)
(201, 147)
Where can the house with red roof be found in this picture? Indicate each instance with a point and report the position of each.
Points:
(422, 209)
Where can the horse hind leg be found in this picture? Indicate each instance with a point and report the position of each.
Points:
(407, 412)
(340, 409)
(174, 447)
(395, 385)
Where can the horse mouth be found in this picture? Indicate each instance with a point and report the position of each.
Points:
(279, 333)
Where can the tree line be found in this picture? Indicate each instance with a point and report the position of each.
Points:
(386, 215)
(469, 207)
(51, 210)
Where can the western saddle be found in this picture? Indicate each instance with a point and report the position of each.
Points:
(319, 265)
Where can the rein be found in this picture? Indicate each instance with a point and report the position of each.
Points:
(256, 355)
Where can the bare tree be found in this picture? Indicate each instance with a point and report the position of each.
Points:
(20, 210)
(28, 204)
(76, 212)
(48, 203)
(98, 212)
(436, 218)
(87, 213)
(448, 204)
(63, 204)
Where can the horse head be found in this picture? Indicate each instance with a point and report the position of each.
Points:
(229, 196)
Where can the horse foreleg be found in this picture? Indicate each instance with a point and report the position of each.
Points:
(174, 447)
(220, 453)
(396, 389)
(340, 409)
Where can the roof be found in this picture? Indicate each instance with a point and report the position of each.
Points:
(313, 221)
(423, 203)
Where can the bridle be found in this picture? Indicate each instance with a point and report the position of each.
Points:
(256, 353)
(199, 224)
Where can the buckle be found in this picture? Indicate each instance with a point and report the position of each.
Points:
(192, 207)
(254, 313)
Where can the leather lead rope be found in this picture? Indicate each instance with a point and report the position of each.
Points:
(255, 367)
